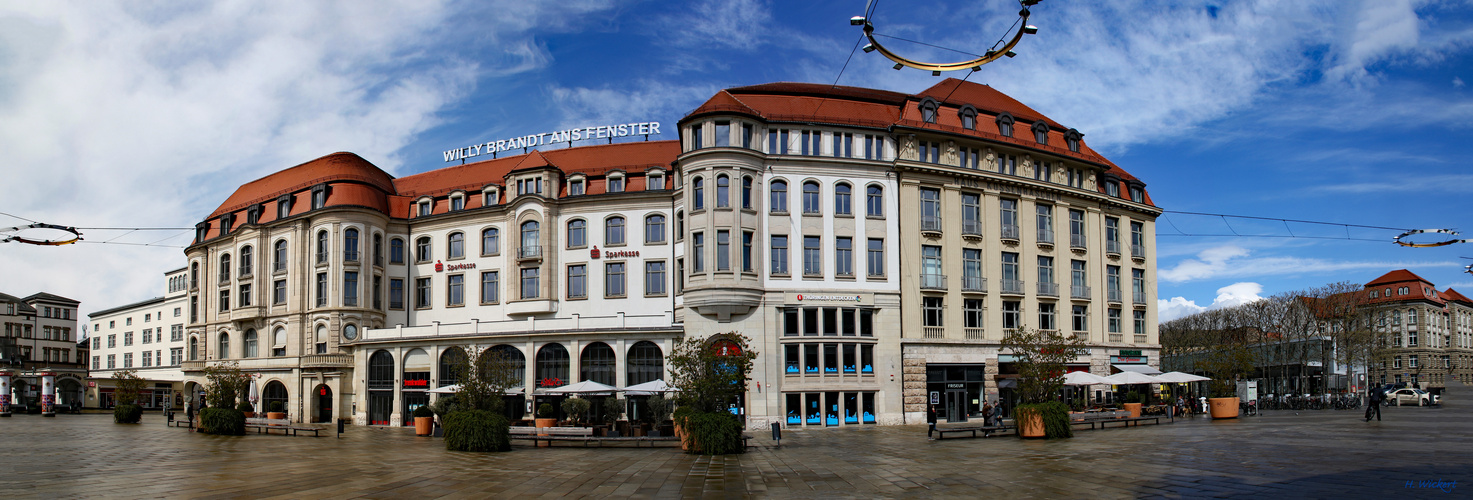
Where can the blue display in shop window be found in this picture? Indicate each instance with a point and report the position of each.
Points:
(813, 369)
(813, 412)
(792, 368)
(833, 416)
(867, 369)
(848, 368)
(869, 418)
(849, 417)
(831, 370)
(793, 417)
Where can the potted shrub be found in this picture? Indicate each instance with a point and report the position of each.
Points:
(1133, 404)
(1040, 357)
(577, 410)
(278, 411)
(223, 382)
(546, 417)
(613, 410)
(476, 430)
(475, 419)
(424, 421)
(246, 408)
(128, 386)
(1227, 364)
(709, 375)
(656, 412)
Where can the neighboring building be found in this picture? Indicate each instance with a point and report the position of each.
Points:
(820, 221)
(146, 337)
(40, 335)
(1429, 333)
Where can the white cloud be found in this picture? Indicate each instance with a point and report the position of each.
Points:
(1232, 295)
(1227, 261)
(1457, 82)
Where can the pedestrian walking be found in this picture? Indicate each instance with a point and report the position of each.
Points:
(930, 420)
(1377, 397)
(987, 414)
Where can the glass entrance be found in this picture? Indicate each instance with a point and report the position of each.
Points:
(324, 404)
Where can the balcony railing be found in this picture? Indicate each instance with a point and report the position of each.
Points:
(1137, 251)
(529, 251)
(972, 227)
(1116, 337)
(930, 223)
(1113, 294)
(974, 284)
(1046, 237)
(975, 333)
(1009, 231)
(1048, 289)
(1077, 241)
(326, 361)
(1112, 247)
(1140, 339)
(1014, 287)
(1140, 297)
(1078, 292)
(933, 281)
(934, 332)
(1081, 335)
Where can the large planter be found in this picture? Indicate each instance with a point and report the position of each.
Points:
(1223, 407)
(1134, 409)
(276, 415)
(680, 433)
(249, 414)
(1030, 426)
(544, 422)
(424, 426)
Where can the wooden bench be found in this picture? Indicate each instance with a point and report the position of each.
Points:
(286, 430)
(585, 435)
(986, 430)
(1096, 418)
(1127, 422)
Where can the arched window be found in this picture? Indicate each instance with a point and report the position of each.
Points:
(396, 251)
(422, 249)
(530, 239)
(456, 245)
(224, 352)
(654, 228)
(779, 196)
(552, 366)
(577, 233)
(250, 344)
(322, 247)
(1005, 124)
(597, 363)
(194, 348)
(842, 199)
(928, 111)
(723, 191)
(679, 225)
(278, 339)
(1040, 132)
(245, 260)
(417, 369)
(224, 267)
(381, 370)
(194, 275)
(968, 114)
(1072, 137)
(490, 241)
(350, 245)
(614, 231)
(274, 392)
(747, 192)
(645, 363)
(698, 193)
(516, 363)
(278, 257)
(810, 198)
(874, 201)
(450, 358)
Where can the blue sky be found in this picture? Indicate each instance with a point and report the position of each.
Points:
(134, 114)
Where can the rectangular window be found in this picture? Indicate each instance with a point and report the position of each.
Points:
(930, 209)
(1012, 312)
(396, 293)
(1114, 320)
(779, 254)
(1137, 240)
(490, 285)
(972, 313)
(812, 261)
(1112, 283)
(972, 270)
(455, 290)
(747, 135)
(278, 292)
(698, 252)
(791, 325)
(871, 148)
(321, 289)
(1140, 322)
(577, 281)
(931, 273)
(350, 289)
(1008, 210)
(1076, 228)
(747, 251)
(875, 257)
(1081, 318)
(530, 282)
(656, 183)
(575, 187)
(614, 279)
(696, 141)
(1138, 285)
(421, 293)
(224, 300)
(844, 256)
(654, 278)
(723, 250)
(245, 295)
(127, 360)
(931, 311)
(1112, 235)
(127, 339)
(1045, 223)
(971, 214)
(1046, 320)
(616, 184)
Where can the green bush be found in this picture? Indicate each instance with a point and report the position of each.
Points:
(613, 409)
(245, 406)
(656, 409)
(477, 430)
(277, 407)
(127, 414)
(711, 433)
(544, 410)
(1055, 418)
(423, 411)
(576, 409)
(222, 421)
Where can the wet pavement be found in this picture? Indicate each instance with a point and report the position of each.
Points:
(1319, 454)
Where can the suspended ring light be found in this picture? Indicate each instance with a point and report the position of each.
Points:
(76, 235)
(937, 68)
(1398, 238)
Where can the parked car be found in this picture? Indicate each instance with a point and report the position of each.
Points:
(1410, 396)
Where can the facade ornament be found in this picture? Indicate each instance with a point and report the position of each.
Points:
(908, 148)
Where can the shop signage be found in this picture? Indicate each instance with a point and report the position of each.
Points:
(851, 298)
(935, 397)
(569, 135)
(1129, 360)
(956, 385)
(411, 383)
(613, 254)
(1130, 352)
(550, 382)
(440, 268)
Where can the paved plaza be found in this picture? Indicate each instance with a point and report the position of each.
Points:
(1321, 454)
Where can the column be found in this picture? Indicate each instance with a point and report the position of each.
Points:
(48, 394)
(5, 393)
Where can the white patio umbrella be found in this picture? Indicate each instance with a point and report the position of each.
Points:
(1181, 378)
(454, 388)
(584, 387)
(656, 386)
(1132, 378)
(1086, 378)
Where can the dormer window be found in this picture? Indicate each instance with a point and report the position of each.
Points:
(655, 181)
(575, 187)
(319, 196)
(457, 202)
(200, 231)
(928, 110)
(1112, 185)
(225, 222)
(491, 195)
(1005, 124)
(968, 115)
(283, 206)
(253, 214)
(529, 185)
(426, 207)
(616, 183)
(1137, 192)
(1072, 137)
(1040, 132)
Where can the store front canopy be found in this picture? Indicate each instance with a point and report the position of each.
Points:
(1142, 369)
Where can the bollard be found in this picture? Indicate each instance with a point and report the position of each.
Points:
(777, 433)
(340, 427)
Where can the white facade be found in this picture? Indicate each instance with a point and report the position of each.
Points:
(146, 337)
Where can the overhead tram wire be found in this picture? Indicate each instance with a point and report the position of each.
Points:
(1285, 222)
(869, 9)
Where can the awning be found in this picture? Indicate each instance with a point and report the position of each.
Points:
(1141, 369)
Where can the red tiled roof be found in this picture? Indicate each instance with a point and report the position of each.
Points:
(985, 98)
(1397, 276)
(1451, 295)
(333, 167)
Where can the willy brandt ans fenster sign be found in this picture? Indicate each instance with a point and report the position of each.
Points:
(573, 134)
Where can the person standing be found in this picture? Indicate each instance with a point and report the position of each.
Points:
(1377, 397)
(987, 414)
(930, 420)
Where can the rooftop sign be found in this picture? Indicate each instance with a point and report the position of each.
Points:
(573, 134)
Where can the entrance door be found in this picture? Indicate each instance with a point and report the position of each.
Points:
(324, 404)
(956, 405)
